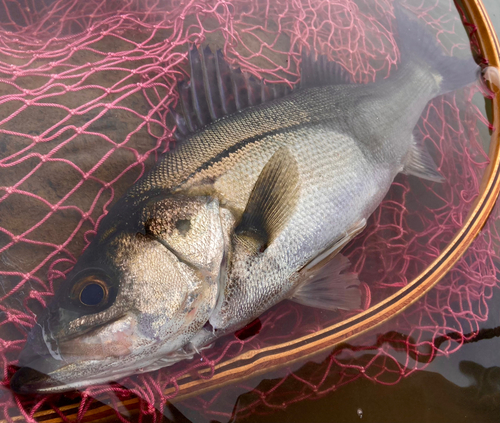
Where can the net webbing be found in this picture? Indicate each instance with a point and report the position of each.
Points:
(85, 91)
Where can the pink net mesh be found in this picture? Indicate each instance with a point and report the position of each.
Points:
(85, 90)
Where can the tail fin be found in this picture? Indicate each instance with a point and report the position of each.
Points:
(417, 43)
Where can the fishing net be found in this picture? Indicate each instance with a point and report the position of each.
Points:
(85, 95)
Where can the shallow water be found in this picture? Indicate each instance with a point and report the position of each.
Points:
(463, 385)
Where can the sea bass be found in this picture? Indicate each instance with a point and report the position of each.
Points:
(250, 209)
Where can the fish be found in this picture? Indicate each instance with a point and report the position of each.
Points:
(252, 207)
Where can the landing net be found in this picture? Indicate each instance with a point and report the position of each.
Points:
(85, 93)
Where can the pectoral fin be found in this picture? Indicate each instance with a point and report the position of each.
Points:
(272, 201)
(421, 164)
(323, 285)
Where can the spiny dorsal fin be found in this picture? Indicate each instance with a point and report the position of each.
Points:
(420, 163)
(216, 90)
(272, 201)
(318, 71)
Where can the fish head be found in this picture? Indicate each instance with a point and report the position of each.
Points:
(134, 298)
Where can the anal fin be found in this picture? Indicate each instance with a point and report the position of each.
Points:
(420, 163)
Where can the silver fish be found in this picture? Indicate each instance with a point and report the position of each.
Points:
(252, 208)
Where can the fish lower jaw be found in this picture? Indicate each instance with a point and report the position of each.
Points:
(114, 375)
(71, 386)
(69, 377)
(29, 381)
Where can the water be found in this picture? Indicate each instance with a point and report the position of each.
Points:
(493, 9)
(462, 385)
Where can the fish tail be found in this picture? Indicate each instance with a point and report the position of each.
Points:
(417, 44)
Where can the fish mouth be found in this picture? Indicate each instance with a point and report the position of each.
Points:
(39, 363)
(35, 368)
(44, 375)
(51, 364)
(30, 381)
(42, 370)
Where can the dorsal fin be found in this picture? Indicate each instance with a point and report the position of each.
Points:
(216, 89)
(317, 71)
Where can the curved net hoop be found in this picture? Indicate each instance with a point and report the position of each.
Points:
(85, 94)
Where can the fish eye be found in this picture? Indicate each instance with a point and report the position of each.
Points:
(92, 294)
(90, 291)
